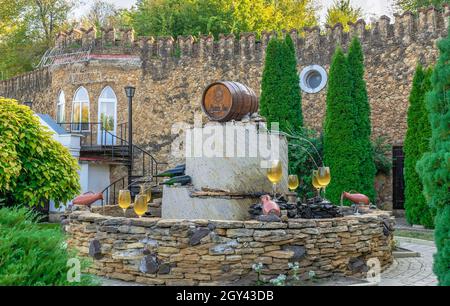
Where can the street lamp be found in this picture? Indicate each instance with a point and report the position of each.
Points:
(29, 104)
(129, 91)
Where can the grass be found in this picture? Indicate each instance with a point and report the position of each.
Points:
(49, 225)
(415, 234)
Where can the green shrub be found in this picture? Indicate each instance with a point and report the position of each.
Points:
(31, 255)
(362, 125)
(416, 144)
(34, 168)
(340, 153)
(381, 150)
(434, 167)
(306, 149)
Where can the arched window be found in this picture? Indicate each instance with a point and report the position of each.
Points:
(107, 115)
(60, 107)
(80, 110)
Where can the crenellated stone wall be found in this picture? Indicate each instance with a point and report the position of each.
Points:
(170, 74)
(213, 252)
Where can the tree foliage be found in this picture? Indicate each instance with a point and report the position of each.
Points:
(343, 12)
(27, 30)
(280, 90)
(340, 151)
(415, 5)
(416, 144)
(434, 167)
(31, 255)
(362, 125)
(33, 166)
(194, 17)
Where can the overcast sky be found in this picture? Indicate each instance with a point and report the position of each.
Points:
(370, 8)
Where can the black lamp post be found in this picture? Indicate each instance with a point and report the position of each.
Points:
(29, 104)
(129, 91)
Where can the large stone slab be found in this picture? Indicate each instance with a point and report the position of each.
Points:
(177, 204)
(230, 156)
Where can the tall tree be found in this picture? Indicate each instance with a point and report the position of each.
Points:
(27, 29)
(342, 11)
(434, 167)
(101, 13)
(280, 89)
(416, 144)
(340, 153)
(362, 125)
(415, 5)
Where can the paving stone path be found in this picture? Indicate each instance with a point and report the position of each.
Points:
(414, 271)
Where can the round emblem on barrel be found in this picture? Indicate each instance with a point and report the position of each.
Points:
(225, 101)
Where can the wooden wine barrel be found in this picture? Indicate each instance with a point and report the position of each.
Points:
(224, 101)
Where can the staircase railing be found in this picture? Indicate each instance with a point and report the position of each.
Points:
(115, 146)
(146, 173)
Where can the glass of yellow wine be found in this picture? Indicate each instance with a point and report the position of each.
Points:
(147, 191)
(274, 174)
(124, 200)
(324, 178)
(315, 181)
(293, 182)
(140, 204)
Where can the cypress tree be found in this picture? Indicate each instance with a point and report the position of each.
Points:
(339, 150)
(362, 125)
(280, 90)
(416, 144)
(434, 167)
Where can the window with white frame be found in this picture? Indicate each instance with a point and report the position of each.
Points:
(107, 113)
(80, 110)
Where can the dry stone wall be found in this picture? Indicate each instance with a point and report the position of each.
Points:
(198, 252)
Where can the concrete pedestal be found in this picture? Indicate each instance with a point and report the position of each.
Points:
(177, 204)
(231, 157)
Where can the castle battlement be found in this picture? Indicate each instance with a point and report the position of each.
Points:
(407, 27)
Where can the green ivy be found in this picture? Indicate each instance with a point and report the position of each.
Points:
(34, 168)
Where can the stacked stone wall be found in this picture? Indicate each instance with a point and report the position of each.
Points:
(199, 252)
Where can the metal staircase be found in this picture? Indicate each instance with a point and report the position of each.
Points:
(99, 144)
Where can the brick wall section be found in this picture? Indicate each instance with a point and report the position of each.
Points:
(198, 252)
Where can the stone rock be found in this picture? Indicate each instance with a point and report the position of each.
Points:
(224, 249)
(164, 268)
(269, 218)
(95, 249)
(239, 232)
(149, 264)
(197, 235)
(357, 265)
(299, 251)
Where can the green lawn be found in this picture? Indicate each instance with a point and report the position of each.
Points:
(415, 234)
